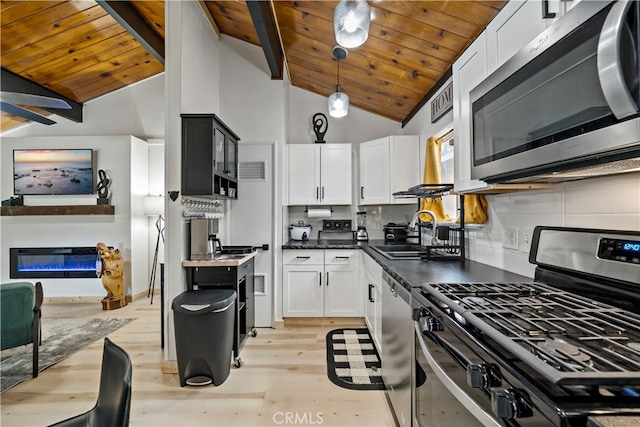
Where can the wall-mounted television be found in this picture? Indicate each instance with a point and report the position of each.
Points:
(49, 172)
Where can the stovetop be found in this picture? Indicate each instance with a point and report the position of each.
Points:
(567, 338)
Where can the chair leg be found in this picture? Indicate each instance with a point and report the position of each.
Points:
(36, 331)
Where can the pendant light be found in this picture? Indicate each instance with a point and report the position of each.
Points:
(351, 20)
(338, 101)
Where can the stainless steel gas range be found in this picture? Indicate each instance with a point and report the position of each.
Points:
(561, 350)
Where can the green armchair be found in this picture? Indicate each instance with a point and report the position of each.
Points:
(20, 313)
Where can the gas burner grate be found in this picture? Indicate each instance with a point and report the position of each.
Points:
(567, 338)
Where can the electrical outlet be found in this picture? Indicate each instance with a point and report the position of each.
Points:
(510, 238)
(524, 240)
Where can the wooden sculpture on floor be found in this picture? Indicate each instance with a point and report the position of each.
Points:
(112, 274)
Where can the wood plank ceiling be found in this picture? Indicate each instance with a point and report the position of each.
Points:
(79, 51)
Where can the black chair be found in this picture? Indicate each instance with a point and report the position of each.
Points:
(114, 397)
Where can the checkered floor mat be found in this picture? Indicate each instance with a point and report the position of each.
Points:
(352, 360)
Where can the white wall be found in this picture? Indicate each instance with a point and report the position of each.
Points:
(134, 110)
(192, 73)
(155, 176)
(126, 230)
(357, 126)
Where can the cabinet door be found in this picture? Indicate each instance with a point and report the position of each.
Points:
(219, 152)
(372, 273)
(469, 70)
(517, 24)
(369, 302)
(231, 157)
(343, 289)
(375, 184)
(304, 174)
(303, 290)
(378, 315)
(198, 160)
(335, 174)
(405, 166)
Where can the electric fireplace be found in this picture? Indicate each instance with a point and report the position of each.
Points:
(56, 263)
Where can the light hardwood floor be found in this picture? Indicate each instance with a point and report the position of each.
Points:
(283, 381)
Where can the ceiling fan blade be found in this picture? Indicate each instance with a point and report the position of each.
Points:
(24, 113)
(34, 100)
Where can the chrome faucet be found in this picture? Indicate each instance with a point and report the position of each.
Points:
(416, 219)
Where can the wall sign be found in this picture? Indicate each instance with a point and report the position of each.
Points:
(442, 103)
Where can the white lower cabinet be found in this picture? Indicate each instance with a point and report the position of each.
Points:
(321, 283)
(372, 277)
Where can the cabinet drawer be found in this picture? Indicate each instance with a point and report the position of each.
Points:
(341, 257)
(303, 257)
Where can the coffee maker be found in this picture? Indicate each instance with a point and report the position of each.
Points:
(203, 235)
(361, 232)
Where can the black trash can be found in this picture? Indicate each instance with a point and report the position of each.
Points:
(204, 322)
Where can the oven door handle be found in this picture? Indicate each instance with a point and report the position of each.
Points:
(461, 360)
(475, 409)
(609, 58)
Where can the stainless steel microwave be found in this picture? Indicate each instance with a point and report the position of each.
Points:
(567, 105)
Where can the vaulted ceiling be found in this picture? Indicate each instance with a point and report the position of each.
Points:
(83, 49)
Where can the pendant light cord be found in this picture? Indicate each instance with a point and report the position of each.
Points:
(338, 85)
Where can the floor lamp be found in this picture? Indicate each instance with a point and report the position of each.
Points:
(154, 206)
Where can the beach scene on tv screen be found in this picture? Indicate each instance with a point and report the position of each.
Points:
(52, 172)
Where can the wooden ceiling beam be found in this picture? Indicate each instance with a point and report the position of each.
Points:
(10, 82)
(264, 22)
(127, 16)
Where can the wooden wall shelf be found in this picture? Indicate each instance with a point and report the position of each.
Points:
(58, 210)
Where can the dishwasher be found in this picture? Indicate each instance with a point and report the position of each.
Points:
(397, 344)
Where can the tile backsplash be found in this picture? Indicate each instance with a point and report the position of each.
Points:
(611, 202)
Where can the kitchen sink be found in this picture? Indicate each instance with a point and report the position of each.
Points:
(400, 252)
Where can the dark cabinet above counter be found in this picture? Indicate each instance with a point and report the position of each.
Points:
(209, 157)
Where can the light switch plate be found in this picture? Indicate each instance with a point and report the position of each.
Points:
(510, 238)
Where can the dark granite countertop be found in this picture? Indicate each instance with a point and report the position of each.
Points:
(413, 273)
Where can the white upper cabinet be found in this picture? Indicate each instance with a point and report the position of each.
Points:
(388, 165)
(469, 70)
(320, 174)
(517, 24)
(335, 174)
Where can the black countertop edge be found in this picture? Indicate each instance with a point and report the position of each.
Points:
(414, 273)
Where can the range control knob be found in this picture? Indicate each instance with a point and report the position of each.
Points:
(482, 375)
(509, 403)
